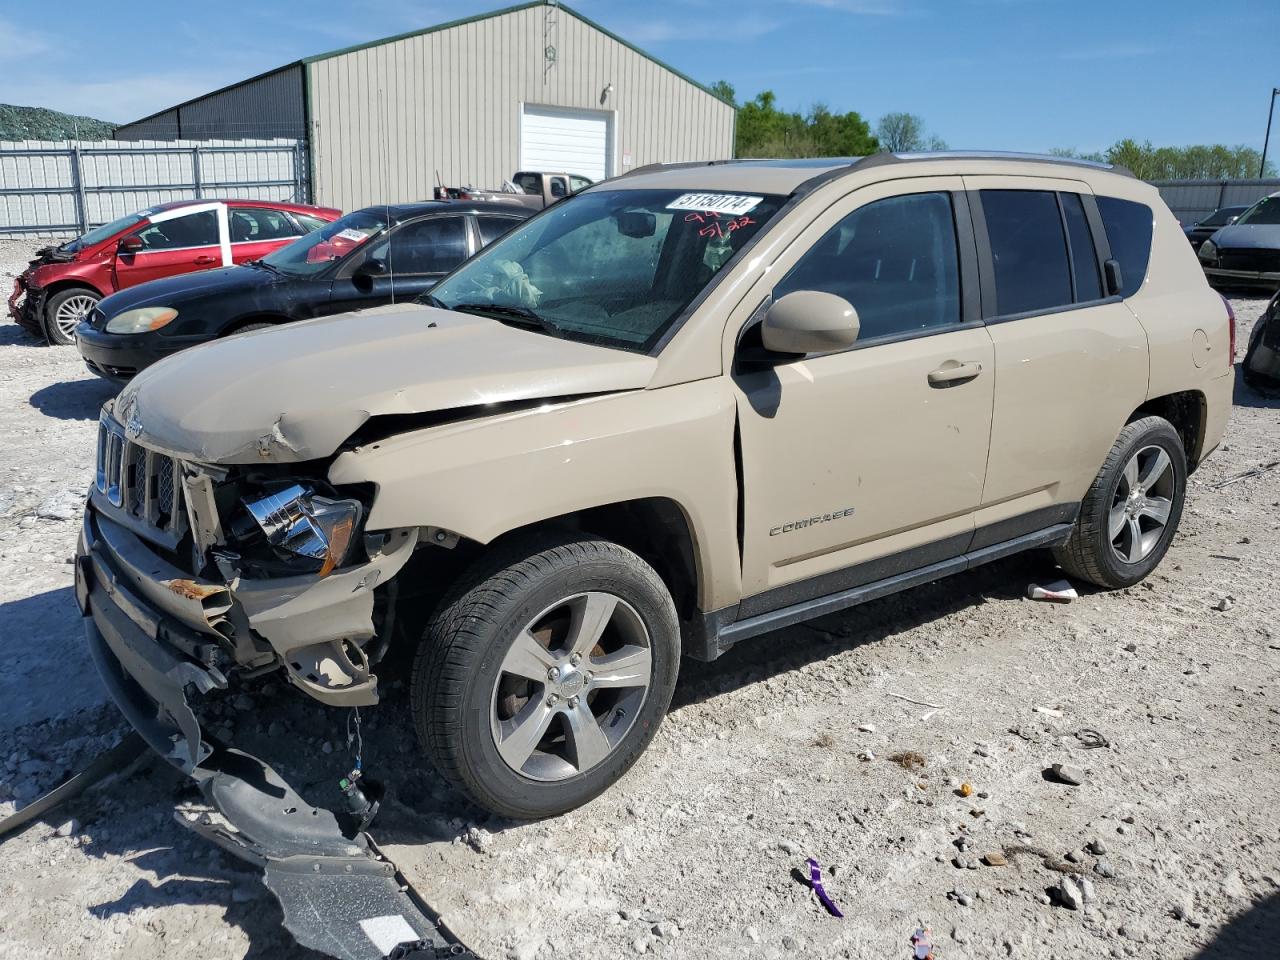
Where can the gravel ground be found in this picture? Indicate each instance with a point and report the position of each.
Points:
(781, 750)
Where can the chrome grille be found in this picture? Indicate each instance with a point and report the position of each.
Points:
(140, 484)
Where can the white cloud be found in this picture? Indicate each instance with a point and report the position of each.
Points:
(18, 43)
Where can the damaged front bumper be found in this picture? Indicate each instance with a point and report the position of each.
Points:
(26, 305)
(158, 637)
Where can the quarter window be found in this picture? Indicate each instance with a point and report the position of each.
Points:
(1128, 226)
(895, 260)
(193, 230)
(1028, 250)
(1084, 258)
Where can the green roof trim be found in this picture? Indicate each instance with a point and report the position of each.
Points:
(516, 9)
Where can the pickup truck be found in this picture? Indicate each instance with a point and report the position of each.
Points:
(532, 190)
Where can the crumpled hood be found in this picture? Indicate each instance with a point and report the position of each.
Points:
(1248, 236)
(297, 391)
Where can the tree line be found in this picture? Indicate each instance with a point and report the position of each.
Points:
(764, 130)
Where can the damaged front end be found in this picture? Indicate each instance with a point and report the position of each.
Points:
(188, 574)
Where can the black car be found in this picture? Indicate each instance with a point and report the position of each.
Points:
(378, 255)
(1199, 232)
(1261, 366)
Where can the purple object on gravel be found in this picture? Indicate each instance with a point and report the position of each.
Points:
(815, 881)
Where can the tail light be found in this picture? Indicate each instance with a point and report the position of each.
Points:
(1231, 333)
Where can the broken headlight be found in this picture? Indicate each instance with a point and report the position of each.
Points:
(296, 520)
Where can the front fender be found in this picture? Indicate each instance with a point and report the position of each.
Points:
(485, 477)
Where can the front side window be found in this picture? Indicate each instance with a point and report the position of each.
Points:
(895, 260)
(433, 245)
(1128, 227)
(1028, 250)
(578, 183)
(193, 230)
(615, 267)
(309, 255)
(309, 222)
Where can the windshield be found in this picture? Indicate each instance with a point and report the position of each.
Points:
(98, 234)
(309, 255)
(1266, 210)
(1219, 217)
(615, 267)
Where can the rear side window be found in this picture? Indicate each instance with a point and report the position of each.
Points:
(1128, 226)
(180, 233)
(1084, 258)
(491, 228)
(1028, 249)
(895, 260)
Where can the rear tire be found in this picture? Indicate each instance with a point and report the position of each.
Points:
(518, 701)
(1129, 516)
(64, 310)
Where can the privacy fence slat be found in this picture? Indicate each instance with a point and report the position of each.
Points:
(1193, 200)
(59, 189)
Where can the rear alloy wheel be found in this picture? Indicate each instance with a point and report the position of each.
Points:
(63, 312)
(1131, 511)
(546, 673)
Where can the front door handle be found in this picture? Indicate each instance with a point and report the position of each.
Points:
(953, 372)
(204, 260)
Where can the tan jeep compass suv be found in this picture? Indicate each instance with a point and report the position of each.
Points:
(677, 410)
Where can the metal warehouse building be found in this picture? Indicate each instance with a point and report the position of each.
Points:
(532, 87)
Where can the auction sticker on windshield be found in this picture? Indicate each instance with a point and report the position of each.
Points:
(733, 203)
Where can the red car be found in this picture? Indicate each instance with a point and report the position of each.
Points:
(63, 283)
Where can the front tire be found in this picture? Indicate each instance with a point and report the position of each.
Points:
(545, 673)
(64, 310)
(1129, 516)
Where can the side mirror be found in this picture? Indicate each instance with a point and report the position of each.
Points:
(129, 244)
(809, 322)
(1232, 219)
(373, 267)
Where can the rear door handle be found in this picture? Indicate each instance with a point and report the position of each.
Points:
(202, 260)
(954, 372)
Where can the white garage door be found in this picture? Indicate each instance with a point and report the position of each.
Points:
(557, 140)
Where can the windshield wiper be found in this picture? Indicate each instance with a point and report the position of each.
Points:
(266, 266)
(503, 312)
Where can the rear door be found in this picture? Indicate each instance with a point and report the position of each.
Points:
(868, 462)
(256, 231)
(1071, 361)
(403, 265)
(176, 241)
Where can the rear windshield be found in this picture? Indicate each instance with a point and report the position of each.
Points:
(1266, 210)
(1129, 228)
(615, 267)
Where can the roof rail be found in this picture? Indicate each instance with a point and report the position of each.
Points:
(877, 159)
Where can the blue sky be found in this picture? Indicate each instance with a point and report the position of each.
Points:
(997, 74)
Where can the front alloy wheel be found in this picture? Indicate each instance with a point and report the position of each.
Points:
(64, 311)
(571, 686)
(542, 678)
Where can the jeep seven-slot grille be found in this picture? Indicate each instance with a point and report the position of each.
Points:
(139, 483)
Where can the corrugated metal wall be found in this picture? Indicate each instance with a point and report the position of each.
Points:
(269, 106)
(387, 118)
(1193, 200)
(60, 188)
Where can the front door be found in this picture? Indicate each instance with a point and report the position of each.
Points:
(176, 241)
(409, 262)
(869, 462)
